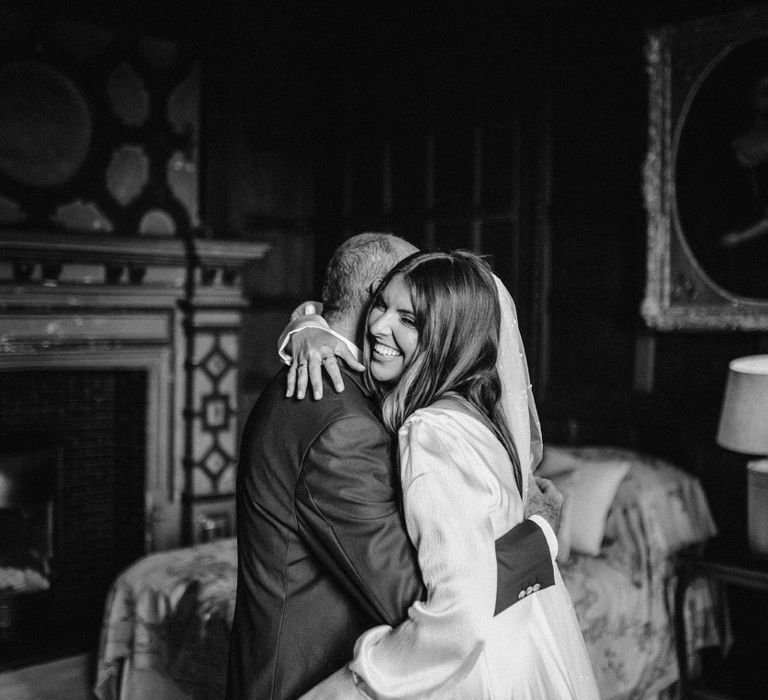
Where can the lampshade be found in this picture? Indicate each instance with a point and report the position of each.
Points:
(744, 418)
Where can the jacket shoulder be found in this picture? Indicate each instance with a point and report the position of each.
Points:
(272, 406)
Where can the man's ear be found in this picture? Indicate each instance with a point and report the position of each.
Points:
(373, 287)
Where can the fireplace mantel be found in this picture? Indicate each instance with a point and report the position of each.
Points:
(65, 247)
(169, 306)
(56, 258)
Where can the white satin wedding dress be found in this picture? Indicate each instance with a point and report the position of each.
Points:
(459, 497)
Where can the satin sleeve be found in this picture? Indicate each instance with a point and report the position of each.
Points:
(448, 520)
(297, 323)
(304, 317)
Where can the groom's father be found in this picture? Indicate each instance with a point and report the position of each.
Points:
(323, 553)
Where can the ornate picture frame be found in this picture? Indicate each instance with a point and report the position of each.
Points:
(707, 206)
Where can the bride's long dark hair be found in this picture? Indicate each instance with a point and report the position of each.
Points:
(457, 316)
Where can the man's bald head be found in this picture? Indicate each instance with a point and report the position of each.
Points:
(355, 266)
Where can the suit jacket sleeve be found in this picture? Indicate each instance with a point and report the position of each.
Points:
(524, 559)
(348, 510)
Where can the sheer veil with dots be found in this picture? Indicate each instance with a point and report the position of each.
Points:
(517, 398)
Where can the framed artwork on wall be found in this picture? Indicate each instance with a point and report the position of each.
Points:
(706, 174)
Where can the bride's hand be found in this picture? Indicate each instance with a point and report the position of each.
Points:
(314, 349)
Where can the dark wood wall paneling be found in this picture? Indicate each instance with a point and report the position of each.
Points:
(332, 90)
(263, 109)
(598, 257)
(440, 139)
(597, 336)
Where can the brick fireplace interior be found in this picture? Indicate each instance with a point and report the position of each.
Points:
(95, 422)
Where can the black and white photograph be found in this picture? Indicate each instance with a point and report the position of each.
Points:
(384, 350)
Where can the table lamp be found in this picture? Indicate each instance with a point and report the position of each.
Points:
(744, 428)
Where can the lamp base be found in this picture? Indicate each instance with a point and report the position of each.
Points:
(757, 507)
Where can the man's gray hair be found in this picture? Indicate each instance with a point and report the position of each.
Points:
(357, 264)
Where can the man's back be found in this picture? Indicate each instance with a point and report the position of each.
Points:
(321, 547)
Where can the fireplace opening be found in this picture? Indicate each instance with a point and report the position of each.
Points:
(28, 473)
(27, 489)
(72, 504)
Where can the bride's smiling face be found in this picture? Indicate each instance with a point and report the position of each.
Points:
(392, 331)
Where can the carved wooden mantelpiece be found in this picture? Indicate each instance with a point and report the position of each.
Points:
(94, 259)
(171, 308)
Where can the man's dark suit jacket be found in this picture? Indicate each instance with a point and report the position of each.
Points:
(323, 554)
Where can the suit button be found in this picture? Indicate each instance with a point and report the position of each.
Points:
(529, 590)
(536, 586)
(521, 595)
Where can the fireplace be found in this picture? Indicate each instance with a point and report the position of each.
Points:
(133, 381)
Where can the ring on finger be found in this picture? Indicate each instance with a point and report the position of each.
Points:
(302, 364)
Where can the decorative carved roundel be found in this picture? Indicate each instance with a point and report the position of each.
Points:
(98, 132)
(45, 125)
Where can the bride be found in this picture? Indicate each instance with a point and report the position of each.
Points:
(444, 355)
